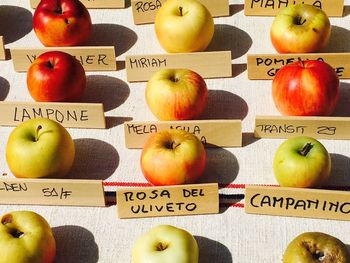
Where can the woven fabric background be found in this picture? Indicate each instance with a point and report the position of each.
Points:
(89, 235)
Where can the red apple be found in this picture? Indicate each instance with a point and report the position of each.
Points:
(173, 157)
(300, 29)
(176, 94)
(306, 88)
(56, 77)
(62, 23)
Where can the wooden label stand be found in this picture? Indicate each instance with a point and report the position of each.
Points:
(92, 58)
(266, 66)
(73, 115)
(92, 3)
(2, 49)
(144, 11)
(272, 7)
(222, 133)
(297, 202)
(207, 64)
(52, 192)
(195, 199)
(335, 128)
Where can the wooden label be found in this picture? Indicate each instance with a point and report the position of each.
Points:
(297, 202)
(195, 199)
(289, 126)
(272, 7)
(92, 58)
(207, 64)
(222, 133)
(73, 115)
(266, 66)
(2, 49)
(52, 192)
(144, 11)
(92, 3)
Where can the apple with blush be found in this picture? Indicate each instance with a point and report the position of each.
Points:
(176, 94)
(59, 23)
(173, 157)
(300, 28)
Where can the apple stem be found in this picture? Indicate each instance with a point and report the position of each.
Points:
(50, 64)
(161, 247)
(301, 21)
(37, 132)
(180, 8)
(306, 149)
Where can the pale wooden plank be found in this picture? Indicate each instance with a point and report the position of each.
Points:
(212, 133)
(65, 192)
(265, 66)
(214, 64)
(92, 3)
(97, 58)
(144, 11)
(297, 202)
(73, 115)
(2, 49)
(272, 7)
(335, 128)
(195, 199)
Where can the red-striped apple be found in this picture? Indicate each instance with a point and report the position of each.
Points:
(173, 157)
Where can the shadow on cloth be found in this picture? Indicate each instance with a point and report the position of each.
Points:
(15, 22)
(234, 9)
(212, 251)
(94, 159)
(346, 10)
(342, 109)
(230, 38)
(112, 121)
(4, 88)
(75, 244)
(222, 167)
(339, 40)
(225, 105)
(238, 69)
(340, 173)
(248, 138)
(121, 37)
(110, 91)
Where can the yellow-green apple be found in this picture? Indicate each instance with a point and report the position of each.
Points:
(26, 237)
(56, 76)
(165, 244)
(300, 28)
(40, 148)
(173, 157)
(306, 88)
(315, 247)
(302, 161)
(176, 94)
(62, 23)
(184, 26)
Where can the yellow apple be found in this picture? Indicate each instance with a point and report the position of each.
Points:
(26, 237)
(40, 148)
(184, 26)
(165, 244)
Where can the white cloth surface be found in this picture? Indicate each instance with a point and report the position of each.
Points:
(89, 235)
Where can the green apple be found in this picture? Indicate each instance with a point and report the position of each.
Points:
(301, 162)
(40, 148)
(26, 237)
(184, 26)
(165, 244)
(300, 29)
(313, 247)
